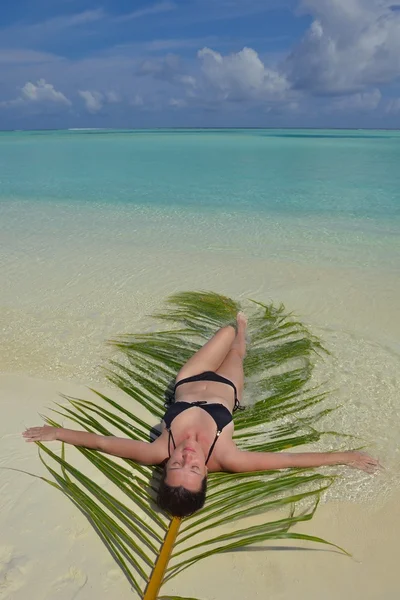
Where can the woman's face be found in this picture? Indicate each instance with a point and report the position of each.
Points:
(186, 466)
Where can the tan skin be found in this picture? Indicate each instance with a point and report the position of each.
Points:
(194, 430)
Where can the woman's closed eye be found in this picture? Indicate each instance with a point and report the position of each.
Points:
(177, 465)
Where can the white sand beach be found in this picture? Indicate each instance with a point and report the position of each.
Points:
(54, 343)
(49, 550)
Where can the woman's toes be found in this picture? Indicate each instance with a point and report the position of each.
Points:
(241, 318)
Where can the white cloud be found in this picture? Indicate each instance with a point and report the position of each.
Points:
(350, 45)
(158, 8)
(43, 92)
(200, 11)
(175, 43)
(137, 100)
(37, 34)
(188, 80)
(93, 100)
(177, 102)
(67, 21)
(20, 56)
(215, 78)
(166, 67)
(393, 106)
(112, 97)
(64, 21)
(362, 101)
(241, 76)
(291, 107)
(189, 83)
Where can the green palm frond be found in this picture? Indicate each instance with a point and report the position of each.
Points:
(278, 369)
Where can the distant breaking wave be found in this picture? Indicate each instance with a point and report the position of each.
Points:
(87, 129)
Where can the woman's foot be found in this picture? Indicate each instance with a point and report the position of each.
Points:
(241, 320)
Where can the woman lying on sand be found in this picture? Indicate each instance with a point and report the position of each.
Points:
(198, 428)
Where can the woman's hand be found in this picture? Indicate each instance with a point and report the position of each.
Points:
(40, 434)
(363, 461)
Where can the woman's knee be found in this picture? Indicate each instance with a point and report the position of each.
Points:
(227, 330)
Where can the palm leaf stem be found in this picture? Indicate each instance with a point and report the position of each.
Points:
(160, 567)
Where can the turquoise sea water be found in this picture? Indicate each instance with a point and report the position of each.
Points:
(351, 174)
(324, 196)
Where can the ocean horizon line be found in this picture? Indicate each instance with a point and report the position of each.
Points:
(189, 128)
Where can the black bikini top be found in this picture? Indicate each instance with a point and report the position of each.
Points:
(218, 412)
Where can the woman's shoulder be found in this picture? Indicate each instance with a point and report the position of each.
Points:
(223, 449)
(159, 446)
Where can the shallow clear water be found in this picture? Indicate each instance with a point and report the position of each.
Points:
(306, 195)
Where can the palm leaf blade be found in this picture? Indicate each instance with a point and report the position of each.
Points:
(279, 366)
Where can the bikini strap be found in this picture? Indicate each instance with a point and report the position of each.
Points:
(170, 437)
(213, 444)
(238, 406)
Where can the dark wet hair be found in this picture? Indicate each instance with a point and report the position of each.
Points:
(179, 501)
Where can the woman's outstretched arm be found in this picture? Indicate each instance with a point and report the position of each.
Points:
(238, 461)
(143, 452)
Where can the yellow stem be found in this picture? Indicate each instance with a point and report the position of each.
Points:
(157, 575)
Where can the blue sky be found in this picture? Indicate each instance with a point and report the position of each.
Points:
(199, 63)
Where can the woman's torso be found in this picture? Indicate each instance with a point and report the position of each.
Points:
(197, 421)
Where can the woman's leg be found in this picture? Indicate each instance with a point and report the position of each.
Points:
(232, 366)
(211, 355)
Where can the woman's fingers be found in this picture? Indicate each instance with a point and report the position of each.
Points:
(32, 431)
(37, 434)
(371, 468)
(365, 462)
(32, 435)
(369, 464)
